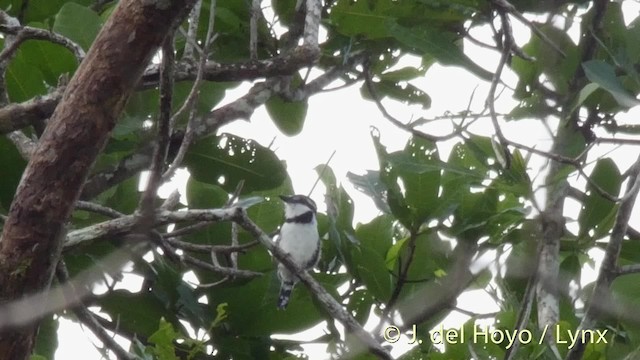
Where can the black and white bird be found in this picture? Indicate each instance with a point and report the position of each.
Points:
(298, 237)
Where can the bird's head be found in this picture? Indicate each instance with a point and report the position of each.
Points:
(295, 205)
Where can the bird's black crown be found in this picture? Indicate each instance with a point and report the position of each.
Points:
(300, 199)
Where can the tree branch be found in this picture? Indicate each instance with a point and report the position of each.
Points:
(17, 116)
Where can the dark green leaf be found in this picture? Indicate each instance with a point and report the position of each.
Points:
(202, 195)
(47, 340)
(421, 188)
(134, 312)
(24, 80)
(557, 68)
(404, 74)
(352, 18)
(52, 60)
(126, 195)
(164, 340)
(288, 116)
(371, 186)
(10, 172)
(377, 234)
(371, 270)
(405, 93)
(438, 44)
(391, 259)
(596, 209)
(78, 23)
(604, 75)
(359, 306)
(227, 159)
(209, 95)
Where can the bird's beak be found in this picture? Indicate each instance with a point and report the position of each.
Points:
(285, 198)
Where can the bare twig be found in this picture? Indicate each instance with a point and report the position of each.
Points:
(253, 29)
(324, 168)
(125, 224)
(172, 201)
(146, 206)
(507, 43)
(192, 32)
(628, 269)
(17, 116)
(206, 249)
(98, 209)
(312, 22)
(23, 143)
(233, 273)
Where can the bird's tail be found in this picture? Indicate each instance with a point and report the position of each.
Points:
(285, 293)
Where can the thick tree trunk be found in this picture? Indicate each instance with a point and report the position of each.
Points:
(31, 241)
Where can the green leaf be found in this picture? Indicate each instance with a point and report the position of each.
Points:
(359, 305)
(371, 270)
(202, 195)
(210, 93)
(251, 308)
(126, 196)
(227, 159)
(352, 18)
(585, 92)
(47, 339)
(603, 74)
(11, 171)
(405, 93)
(431, 258)
(389, 178)
(164, 340)
(596, 209)
(340, 205)
(377, 234)
(285, 10)
(466, 168)
(441, 45)
(79, 23)
(288, 116)
(391, 259)
(134, 312)
(370, 185)
(421, 188)
(24, 80)
(557, 68)
(51, 59)
(626, 295)
(404, 74)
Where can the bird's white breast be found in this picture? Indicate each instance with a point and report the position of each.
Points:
(300, 240)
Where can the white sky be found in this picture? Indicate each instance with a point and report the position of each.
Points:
(341, 121)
